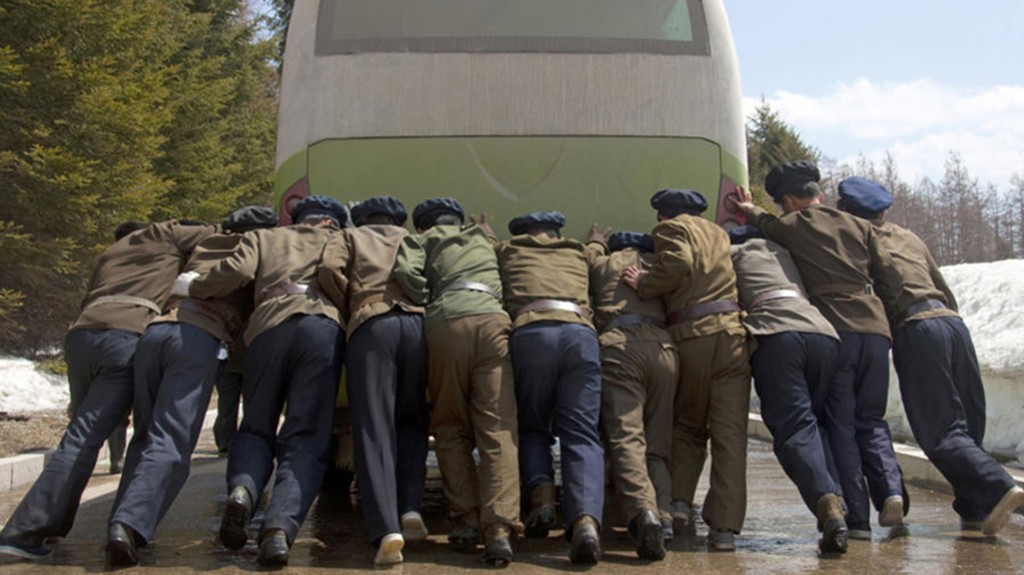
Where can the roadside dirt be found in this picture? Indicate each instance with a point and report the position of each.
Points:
(27, 432)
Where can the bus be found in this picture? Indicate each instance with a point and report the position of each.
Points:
(582, 106)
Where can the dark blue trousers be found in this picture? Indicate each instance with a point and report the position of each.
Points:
(176, 366)
(557, 370)
(299, 363)
(103, 359)
(387, 384)
(858, 434)
(229, 395)
(944, 399)
(792, 374)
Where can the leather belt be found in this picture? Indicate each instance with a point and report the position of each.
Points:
(557, 304)
(918, 307)
(631, 319)
(828, 289)
(470, 286)
(127, 299)
(287, 289)
(772, 295)
(703, 309)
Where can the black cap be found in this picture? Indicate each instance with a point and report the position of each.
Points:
(670, 203)
(791, 178)
(320, 206)
(622, 240)
(863, 197)
(249, 218)
(379, 206)
(425, 215)
(526, 222)
(740, 234)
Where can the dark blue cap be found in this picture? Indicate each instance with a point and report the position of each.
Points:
(622, 240)
(319, 206)
(425, 215)
(791, 178)
(379, 205)
(249, 218)
(863, 197)
(740, 234)
(671, 203)
(526, 222)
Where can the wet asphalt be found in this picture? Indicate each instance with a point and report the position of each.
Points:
(779, 537)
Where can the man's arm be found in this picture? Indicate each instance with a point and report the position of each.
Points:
(229, 274)
(409, 270)
(332, 273)
(673, 261)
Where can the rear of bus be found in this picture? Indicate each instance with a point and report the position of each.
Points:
(510, 106)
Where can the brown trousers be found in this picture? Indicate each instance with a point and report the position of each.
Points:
(712, 402)
(470, 380)
(638, 385)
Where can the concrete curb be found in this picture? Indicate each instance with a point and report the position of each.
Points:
(917, 470)
(19, 470)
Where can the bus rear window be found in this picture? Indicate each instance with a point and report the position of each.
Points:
(585, 26)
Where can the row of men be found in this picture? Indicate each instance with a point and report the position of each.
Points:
(672, 348)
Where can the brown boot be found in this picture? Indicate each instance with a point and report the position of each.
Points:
(586, 541)
(497, 546)
(542, 511)
(831, 523)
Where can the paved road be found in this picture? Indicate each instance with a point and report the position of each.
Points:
(779, 538)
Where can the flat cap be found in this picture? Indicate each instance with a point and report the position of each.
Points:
(249, 218)
(863, 197)
(526, 222)
(790, 178)
(740, 234)
(622, 240)
(320, 206)
(425, 215)
(379, 205)
(670, 203)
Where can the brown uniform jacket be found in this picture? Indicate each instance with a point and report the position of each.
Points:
(538, 267)
(141, 265)
(762, 267)
(277, 260)
(356, 273)
(834, 252)
(222, 317)
(692, 266)
(613, 298)
(908, 275)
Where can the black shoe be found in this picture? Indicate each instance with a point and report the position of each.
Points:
(273, 549)
(667, 532)
(586, 542)
(497, 547)
(121, 550)
(834, 537)
(645, 529)
(22, 550)
(236, 518)
(539, 522)
(466, 536)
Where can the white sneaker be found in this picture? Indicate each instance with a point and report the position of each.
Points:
(1000, 514)
(390, 550)
(413, 527)
(891, 514)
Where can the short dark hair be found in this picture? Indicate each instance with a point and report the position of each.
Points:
(125, 228)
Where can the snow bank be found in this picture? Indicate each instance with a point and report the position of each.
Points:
(24, 389)
(991, 300)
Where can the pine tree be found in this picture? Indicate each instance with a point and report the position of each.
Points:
(771, 142)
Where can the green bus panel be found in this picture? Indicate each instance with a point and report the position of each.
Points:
(607, 180)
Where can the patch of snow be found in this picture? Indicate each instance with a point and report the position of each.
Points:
(23, 388)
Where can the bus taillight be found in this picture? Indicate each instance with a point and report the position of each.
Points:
(292, 196)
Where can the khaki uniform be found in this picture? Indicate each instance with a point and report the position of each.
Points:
(386, 372)
(470, 372)
(639, 368)
(692, 267)
(294, 353)
(556, 359)
(835, 253)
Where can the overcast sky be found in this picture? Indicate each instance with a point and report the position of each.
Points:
(919, 78)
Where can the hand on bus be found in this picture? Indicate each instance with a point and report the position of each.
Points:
(597, 235)
(743, 199)
(632, 276)
(484, 223)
